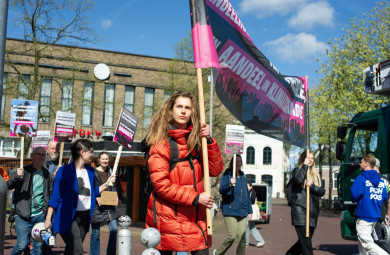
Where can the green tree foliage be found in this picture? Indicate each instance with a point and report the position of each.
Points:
(340, 94)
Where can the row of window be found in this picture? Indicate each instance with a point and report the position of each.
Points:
(250, 156)
(87, 104)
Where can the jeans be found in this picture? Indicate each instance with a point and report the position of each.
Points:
(23, 233)
(251, 226)
(236, 228)
(95, 239)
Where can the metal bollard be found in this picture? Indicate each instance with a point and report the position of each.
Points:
(124, 235)
(3, 204)
(150, 237)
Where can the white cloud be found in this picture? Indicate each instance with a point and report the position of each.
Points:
(266, 8)
(312, 14)
(296, 47)
(106, 24)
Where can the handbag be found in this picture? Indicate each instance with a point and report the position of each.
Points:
(256, 212)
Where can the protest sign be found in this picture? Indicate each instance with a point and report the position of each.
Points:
(65, 122)
(234, 139)
(125, 130)
(41, 139)
(24, 115)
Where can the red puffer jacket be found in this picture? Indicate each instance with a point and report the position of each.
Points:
(182, 225)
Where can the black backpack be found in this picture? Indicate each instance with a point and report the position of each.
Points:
(172, 162)
(289, 191)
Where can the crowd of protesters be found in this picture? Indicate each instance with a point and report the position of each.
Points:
(66, 196)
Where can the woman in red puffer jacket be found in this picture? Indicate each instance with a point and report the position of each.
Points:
(177, 205)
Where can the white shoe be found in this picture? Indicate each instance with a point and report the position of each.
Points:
(215, 252)
(259, 245)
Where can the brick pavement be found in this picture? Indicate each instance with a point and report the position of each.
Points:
(279, 235)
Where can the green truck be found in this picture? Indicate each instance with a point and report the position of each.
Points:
(367, 132)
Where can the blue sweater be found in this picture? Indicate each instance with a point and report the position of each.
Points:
(369, 191)
(66, 194)
(235, 200)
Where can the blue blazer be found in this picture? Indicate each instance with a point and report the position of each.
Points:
(66, 194)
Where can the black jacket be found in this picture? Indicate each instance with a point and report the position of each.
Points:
(23, 190)
(104, 213)
(298, 202)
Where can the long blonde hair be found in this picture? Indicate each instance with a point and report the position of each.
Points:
(312, 169)
(162, 122)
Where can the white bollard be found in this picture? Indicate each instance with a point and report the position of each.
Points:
(150, 237)
(124, 235)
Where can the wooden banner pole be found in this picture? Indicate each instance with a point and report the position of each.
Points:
(307, 155)
(118, 155)
(61, 152)
(21, 151)
(234, 166)
(206, 175)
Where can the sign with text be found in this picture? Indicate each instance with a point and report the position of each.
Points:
(125, 130)
(41, 139)
(234, 139)
(65, 122)
(24, 116)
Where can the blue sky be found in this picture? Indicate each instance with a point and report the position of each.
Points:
(292, 34)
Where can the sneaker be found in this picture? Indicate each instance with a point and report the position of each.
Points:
(259, 245)
(215, 252)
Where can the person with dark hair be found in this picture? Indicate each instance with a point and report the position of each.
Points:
(73, 198)
(236, 206)
(103, 213)
(251, 225)
(177, 205)
(368, 191)
(298, 203)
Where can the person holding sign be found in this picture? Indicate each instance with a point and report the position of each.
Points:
(298, 203)
(103, 213)
(32, 186)
(74, 196)
(177, 205)
(236, 206)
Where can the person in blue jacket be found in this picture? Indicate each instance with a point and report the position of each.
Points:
(369, 191)
(73, 198)
(236, 206)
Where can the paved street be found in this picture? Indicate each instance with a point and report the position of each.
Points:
(279, 235)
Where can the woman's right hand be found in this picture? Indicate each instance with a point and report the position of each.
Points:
(47, 223)
(233, 181)
(206, 200)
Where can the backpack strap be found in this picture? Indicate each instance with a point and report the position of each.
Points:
(175, 155)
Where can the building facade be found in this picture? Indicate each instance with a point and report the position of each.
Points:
(265, 160)
(72, 79)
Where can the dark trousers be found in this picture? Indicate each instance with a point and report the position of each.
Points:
(303, 245)
(201, 252)
(77, 231)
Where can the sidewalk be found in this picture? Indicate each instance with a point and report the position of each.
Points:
(279, 235)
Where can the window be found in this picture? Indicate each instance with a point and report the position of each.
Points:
(23, 85)
(86, 118)
(251, 178)
(335, 181)
(3, 96)
(167, 94)
(267, 179)
(129, 98)
(67, 95)
(148, 107)
(365, 139)
(250, 155)
(267, 156)
(109, 95)
(44, 101)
